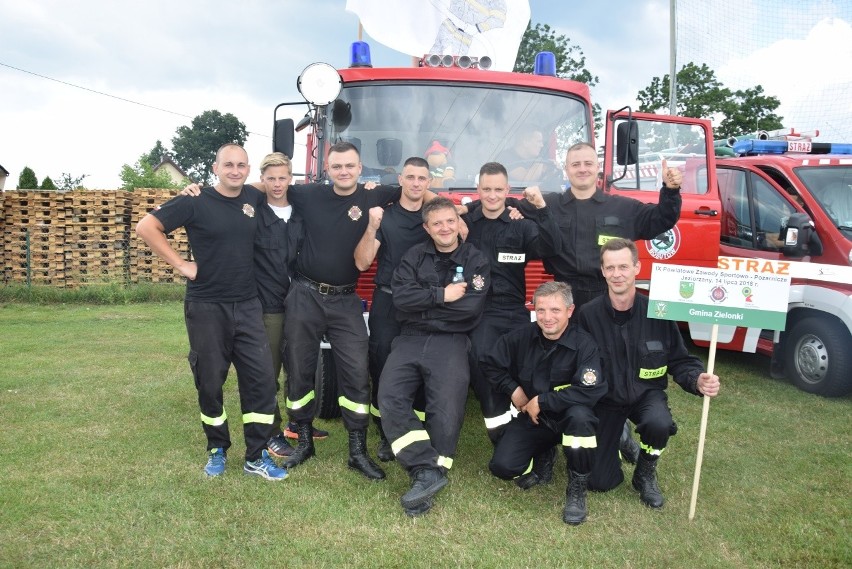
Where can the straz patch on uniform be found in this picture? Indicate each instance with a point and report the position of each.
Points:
(478, 282)
(511, 257)
(590, 377)
(355, 213)
(248, 210)
(602, 239)
(652, 373)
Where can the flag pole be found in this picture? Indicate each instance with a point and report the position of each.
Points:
(705, 411)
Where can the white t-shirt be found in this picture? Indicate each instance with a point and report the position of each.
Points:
(282, 212)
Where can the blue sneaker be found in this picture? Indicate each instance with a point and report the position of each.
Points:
(265, 467)
(216, 462)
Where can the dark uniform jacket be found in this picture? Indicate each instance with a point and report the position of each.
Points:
(418, 289)
(566, 373)
(585, 225)
(638, 355)
(509, 244)
(275, 246)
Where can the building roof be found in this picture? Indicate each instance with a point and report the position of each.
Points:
(167, 160)
(4, 171)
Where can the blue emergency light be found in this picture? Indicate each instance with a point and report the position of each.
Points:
(359, 55)
(743, 147)
(545, 64)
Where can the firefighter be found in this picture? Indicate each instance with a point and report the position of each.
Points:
(322, 299)
(508, 245)
(552, 373)
(391, 232)
(223, 313)
(439, 292)
(637, 353)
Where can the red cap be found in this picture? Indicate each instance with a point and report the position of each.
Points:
(437, 148)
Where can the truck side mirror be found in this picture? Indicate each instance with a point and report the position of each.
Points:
(284, 137)
(800, 237)
(627, 143)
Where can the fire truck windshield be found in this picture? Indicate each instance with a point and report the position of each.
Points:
(832, 187)
(458, 128)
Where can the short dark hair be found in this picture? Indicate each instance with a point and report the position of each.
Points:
(435, 204)
(343, 146)
(551, 288)
(416, 161)
(492, 168)
(619, 243)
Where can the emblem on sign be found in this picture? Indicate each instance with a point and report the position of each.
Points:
(478, 282)
(661, 309)
(590, 377)
(718, 294)
(747, 293)
(687, 289)
(355, 213)
(248, 210)
(665, 245)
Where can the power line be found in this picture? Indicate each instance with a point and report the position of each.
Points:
(109, 95)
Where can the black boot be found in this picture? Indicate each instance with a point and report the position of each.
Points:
(384, 451)
(359, 459)
(305, 447)
(425, 483)
(575, 511)
(542, 470)
(628, 447)
(645, 481)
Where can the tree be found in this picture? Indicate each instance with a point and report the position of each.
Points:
(27, 179)
(142, 175)
(47, 184)
(700, 94)
(67, 182)
(195, 147)
(155, 156)
(570, 59)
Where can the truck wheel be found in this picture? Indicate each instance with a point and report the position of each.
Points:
(818, 358)
(326, 386)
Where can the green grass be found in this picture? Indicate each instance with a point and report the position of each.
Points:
(103, 293)
(101, 453)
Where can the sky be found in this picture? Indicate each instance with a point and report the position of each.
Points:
(147, 68)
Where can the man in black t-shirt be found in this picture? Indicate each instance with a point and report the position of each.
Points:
(222, 311)
(322, 299)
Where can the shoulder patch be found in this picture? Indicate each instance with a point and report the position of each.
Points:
(590, 377)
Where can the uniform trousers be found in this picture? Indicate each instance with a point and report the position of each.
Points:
(274, 324)
(497, 319)
(654, 423)
(222, 333)
(437, 364)
(310, 315)
(522, 440)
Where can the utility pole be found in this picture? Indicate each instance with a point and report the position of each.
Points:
(672, 57)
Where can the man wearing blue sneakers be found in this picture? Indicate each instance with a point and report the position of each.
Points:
(222, 311)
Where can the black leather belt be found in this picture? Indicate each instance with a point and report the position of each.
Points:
(324, 288)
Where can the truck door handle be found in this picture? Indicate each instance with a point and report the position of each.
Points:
(707, 212)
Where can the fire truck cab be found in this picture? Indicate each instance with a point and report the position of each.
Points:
(472, 115)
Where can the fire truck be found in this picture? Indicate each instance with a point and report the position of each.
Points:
(788, 199)
(476, 114)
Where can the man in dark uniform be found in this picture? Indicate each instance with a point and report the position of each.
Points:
(508, 245)
(637, 353)
(322, 299)
(439, 291)
(552, 373)
(223, 314)
(392, 231)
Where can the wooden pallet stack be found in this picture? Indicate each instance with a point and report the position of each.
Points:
(39, 217)
(144, 265)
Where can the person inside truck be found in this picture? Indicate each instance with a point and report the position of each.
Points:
(837, 200)
(523, 160)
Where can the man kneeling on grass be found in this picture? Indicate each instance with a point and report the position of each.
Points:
(552, 373)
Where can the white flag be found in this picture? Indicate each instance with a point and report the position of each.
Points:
(456, 27)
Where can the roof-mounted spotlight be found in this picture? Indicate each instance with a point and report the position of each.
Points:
(319, 83)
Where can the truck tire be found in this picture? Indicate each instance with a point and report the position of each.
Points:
(818, 358)
(326, 386)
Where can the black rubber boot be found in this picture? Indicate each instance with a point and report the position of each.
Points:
(425, 483)
(384, 451)
(645, 481)
(359, 459)
(628, 447)
(305, 447)
(575, 511)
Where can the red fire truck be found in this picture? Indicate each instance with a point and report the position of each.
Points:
(476, 115)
